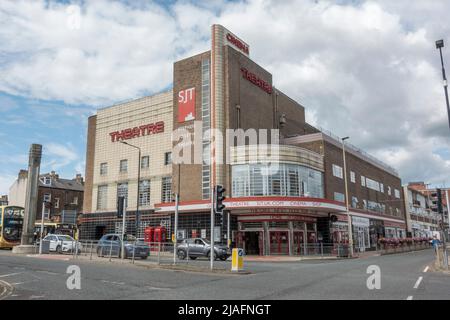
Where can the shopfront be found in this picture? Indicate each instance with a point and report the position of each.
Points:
(361, 235)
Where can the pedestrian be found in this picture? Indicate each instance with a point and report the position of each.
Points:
(435, 242)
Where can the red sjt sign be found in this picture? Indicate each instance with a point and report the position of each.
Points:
(186, 105)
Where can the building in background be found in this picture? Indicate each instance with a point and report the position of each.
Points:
(64, 195)
(4, 200)
(422, 217)
(300, 204)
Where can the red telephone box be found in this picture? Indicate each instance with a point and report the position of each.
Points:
(149, 234)
(160, 234)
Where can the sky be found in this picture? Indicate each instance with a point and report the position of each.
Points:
(365, 69)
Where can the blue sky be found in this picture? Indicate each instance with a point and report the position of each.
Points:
(364, 69)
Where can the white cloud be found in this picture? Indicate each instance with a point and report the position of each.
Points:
(56, 156)
(366, 69)
(6, 180)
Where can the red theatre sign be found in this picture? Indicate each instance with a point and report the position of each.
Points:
(238, 43)
(253, 78)
(131, 133)
(186, 105)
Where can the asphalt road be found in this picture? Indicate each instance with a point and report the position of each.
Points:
(402, 277)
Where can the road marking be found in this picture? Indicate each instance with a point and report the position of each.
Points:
(418, 282)
(9, 275)
(7, 289)
(409, 298)
(426, 269)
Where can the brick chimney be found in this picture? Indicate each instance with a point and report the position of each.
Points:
(54, 176)
(79, 178)
(23, 174)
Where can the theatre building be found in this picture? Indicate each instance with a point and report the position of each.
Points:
(275, 205)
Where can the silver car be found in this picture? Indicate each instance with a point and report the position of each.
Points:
(199, 247)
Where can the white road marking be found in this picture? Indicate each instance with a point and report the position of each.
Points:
(426, 269)
(418, 282)
(9, 275)
(409, 298)
(7, 289)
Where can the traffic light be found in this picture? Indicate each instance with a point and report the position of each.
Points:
(219, 197)
(120, 206)
(436, 201)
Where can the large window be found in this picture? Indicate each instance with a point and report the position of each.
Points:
(372, 184)
(102, 192)
(337, 171)
(397, 193)
(363, 181)
(103, 168)
(122, 191)
(287, 180)
(352, 177)
(144, 193)
(168, 158)
(339, 197)
(166, 189)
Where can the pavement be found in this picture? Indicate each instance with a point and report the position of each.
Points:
(403, 276)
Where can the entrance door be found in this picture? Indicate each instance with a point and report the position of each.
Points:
(279, 242)
(298, 243)
(361, 244)
(252, 242)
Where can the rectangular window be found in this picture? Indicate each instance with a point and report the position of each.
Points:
(339, 197)
(293, 186)
(166, 189)
(389, 191)
(144, 193)
(363, 181)
(337, 171)
(56, 203)
(382, 187)
(122, 191)
(397, 194)
(123, 165)
(372, 184)
(103, 168)
(102, 197)
(168, 158)
(145, 162)
(75, 200)
(352, 177)
(47, 197)
(47, 181)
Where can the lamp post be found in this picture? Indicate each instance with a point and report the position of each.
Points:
(137, 222)
(440, 45)
(349, 218)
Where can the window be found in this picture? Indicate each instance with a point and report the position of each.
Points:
(352, 177)
(363, 181)
(47, 181)
(103, 168)
(382, 187)
(168, 158)
(372, 184)
(46, 212)
(337, 171)
(122, 191)
(102, 197)
(166, 189)
(123, 166)
(339, 197)
(56, 203)
(75, 200)
(145, 162)
(389, 191)
(47, 197)
(144, 193)
(397, 194)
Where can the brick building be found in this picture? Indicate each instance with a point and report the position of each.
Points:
(65, 196)
(268, 211)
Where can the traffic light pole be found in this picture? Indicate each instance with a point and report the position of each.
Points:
(211, 251)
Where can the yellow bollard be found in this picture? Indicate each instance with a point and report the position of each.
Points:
(237, 260)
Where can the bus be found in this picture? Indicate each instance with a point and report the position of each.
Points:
(11, 224)
(56, 228)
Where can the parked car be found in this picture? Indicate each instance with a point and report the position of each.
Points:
(63, 243)
(199, 247)
(111, 244)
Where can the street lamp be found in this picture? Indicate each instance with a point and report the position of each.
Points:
(440, 45)
(137, 222)
(349, 218)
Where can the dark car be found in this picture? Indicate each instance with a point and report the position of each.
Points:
(199, 247)
(111, 244)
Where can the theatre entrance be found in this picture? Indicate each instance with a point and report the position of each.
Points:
(253, 242)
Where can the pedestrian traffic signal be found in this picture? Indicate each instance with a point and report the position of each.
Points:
(219, 197)
(120, 206)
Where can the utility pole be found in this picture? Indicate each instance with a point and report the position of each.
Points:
(176, 231)
(211, 250)
(349, 218)
(440, 45)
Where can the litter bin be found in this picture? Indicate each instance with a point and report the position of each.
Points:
(45, 246)
(342, 251)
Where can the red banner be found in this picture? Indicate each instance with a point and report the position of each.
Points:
(186, 105)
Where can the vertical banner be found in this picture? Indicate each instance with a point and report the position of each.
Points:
(186, 105)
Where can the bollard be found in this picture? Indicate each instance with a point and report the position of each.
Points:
(237, 260)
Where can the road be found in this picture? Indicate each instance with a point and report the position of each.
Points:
(402, 277)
